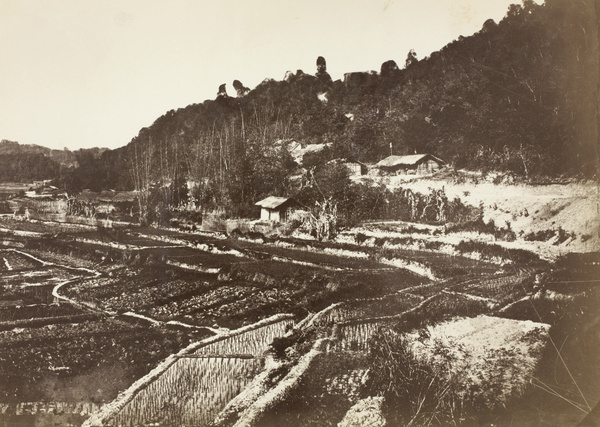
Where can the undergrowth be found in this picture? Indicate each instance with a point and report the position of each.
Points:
(417, 393)
(479, 226)
(490, 251)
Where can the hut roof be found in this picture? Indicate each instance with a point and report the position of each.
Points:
(125, 196)
(412, 160)
(106, 196)
(273, 202)
(88, 196)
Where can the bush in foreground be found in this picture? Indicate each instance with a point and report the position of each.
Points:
(416, 392)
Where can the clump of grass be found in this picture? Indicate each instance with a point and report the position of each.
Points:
(540, 236)
(491, 251)
(417, 392)
(237, 233)
(480, 226)
(545, 235)
(360, 238)
(214, 222)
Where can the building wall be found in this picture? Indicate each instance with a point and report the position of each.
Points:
(354, 169)
(428, 166)
(271, 215)
(264, 214)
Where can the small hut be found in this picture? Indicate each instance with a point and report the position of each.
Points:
(354, 168)
(276, 209)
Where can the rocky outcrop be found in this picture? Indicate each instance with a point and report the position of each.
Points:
(300, 75)
(322, 73)
(240, 89)
(389, 69)
(222, 93)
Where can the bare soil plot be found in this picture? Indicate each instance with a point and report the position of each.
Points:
(136, 288)
(192, 239)
(12, 261)
(36, 311)
(349, 260)
(92, 360)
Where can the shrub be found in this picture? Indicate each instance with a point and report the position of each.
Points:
(214, 222)
(417, 392)
(479, 226)
(192, 216)
(360, 238)
(540, 236)
(495, 251)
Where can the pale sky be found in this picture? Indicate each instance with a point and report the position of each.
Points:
(92, 73)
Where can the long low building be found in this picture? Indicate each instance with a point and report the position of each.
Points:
(90, 204)
(415, 164)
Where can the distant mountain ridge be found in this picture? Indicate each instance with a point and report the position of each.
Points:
(27, 162)
(62, 157)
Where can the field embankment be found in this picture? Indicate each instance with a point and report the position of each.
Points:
(549, 219)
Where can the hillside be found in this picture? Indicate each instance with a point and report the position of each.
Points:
(519, 96)
(28, 162)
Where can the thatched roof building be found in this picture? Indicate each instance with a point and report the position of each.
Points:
(415, 163)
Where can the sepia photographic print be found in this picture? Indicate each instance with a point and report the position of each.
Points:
(299, 213)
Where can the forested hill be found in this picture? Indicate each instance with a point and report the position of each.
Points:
(25, 163)
(520, 95)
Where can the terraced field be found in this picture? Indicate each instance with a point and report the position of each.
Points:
(86, 315)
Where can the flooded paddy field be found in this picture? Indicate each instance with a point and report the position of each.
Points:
(68, 354)
(197, 383)
(191, 392)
